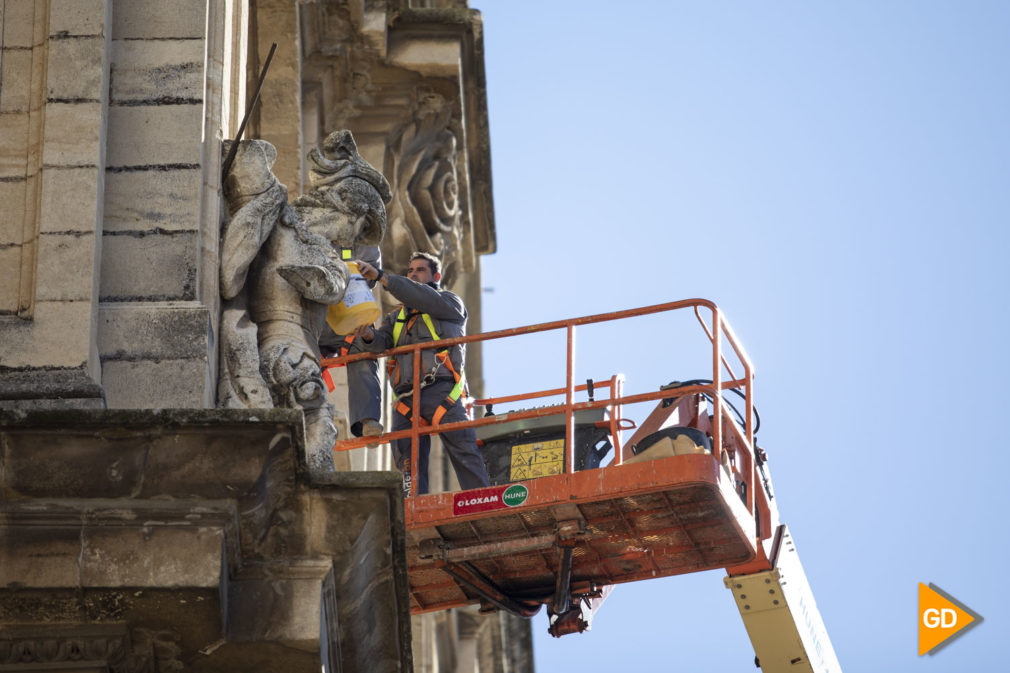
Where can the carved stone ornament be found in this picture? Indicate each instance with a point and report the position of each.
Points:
(425, 213)
(63, 648)
(280, 270)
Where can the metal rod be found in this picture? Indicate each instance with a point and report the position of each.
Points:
(245, 118)
(493, 549)
(486, 589)
(749, 401)
(563, 589)
(551, 392)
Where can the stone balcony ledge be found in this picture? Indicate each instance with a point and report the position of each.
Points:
(201, 528)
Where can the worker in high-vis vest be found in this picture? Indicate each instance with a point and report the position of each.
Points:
(428, 314)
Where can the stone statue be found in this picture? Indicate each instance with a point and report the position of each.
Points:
(281, 269)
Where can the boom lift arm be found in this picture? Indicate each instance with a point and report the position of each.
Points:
(779, 612)
(771, 592)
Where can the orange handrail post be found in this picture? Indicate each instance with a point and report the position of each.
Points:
(749, 462)
(415, 425)
(725, 362)
(616, 416)
(717, 387)
(569, 401)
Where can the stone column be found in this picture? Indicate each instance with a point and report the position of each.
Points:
(177, 71)
(155, 323)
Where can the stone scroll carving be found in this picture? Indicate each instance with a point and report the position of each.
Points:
(425, 213)
(280, 269)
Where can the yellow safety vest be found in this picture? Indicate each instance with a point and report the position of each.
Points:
(442, 356)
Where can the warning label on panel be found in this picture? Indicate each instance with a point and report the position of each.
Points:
(537, 459)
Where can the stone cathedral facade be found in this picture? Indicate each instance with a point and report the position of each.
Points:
(142, 527)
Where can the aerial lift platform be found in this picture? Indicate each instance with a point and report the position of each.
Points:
(689, 491)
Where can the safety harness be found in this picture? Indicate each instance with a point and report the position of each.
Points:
(344, 349)
(442, 360)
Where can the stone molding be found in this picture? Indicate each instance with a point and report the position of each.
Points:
(101, 647)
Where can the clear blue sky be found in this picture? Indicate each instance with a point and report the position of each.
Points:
(835, 176)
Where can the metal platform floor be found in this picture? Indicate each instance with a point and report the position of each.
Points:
(503, 545)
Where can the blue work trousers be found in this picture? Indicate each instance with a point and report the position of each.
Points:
(461, 445)
(364, 393)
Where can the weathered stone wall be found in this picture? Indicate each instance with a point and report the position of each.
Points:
(52, 156)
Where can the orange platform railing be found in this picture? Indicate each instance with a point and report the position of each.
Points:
(716, 329)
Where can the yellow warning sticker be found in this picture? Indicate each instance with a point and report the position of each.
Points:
(537, 459)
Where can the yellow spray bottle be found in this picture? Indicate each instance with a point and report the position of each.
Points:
(358, 307)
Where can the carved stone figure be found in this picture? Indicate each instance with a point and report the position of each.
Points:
(281, 269)
(425, 212)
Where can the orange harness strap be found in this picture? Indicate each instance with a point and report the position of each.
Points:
(454, 394)
(345, 348)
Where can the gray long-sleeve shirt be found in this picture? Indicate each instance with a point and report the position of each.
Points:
(448, 316)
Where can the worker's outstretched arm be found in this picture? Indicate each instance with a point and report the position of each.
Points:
(418, 296)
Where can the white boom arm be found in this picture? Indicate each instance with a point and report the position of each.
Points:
(781, 616)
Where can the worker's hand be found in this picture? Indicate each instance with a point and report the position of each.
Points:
(364, 332)
(372, 274)
(368, 272)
